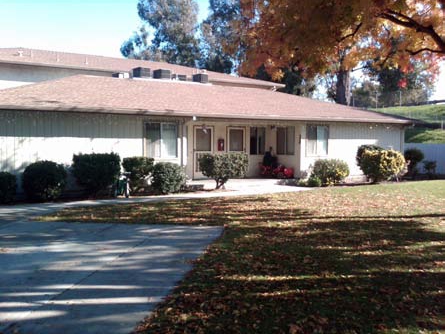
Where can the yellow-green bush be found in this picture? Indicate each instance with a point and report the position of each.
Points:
(330, 171)
(380, 165)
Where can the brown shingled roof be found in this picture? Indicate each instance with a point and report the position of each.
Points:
(84, 93)
(110, 64)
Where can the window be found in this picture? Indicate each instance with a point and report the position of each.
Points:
(257, 140)
(317, 140)
(286, 140)
(161, 140)
(203, 141)
(236, 140)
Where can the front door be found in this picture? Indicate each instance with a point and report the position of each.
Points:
(203, 144)
(236, 136)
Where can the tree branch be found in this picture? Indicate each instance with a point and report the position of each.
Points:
(407, 22)
(413, 53)
(352, 34)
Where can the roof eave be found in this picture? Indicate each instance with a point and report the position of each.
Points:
(178, 113)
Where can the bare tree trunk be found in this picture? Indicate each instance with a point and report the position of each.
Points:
(343, 89)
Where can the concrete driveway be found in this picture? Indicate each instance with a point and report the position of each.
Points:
(90, 278)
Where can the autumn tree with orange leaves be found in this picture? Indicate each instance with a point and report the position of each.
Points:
(320, 36)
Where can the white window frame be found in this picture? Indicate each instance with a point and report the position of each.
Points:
(161, 153)
(318, 149)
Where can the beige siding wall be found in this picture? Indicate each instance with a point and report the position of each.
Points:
(345, 138)
(26, 137)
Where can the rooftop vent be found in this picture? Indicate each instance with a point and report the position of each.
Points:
(161, 74)
(121, 75)
(201, 77)
(141, 72)
(179, 77)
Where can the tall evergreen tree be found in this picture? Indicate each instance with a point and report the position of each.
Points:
(174, 25)
(221, 50)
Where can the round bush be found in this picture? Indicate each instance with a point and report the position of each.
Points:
(381, 165)
(364, 148)
(139, 168)
(313, 182)
(44, 180)
(167, 178)
(8, 186)
(430, 168)
(330, 171)
(414, 156)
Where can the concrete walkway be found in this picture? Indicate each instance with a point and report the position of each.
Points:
(240, 187)
(97, 278)
(90, 278)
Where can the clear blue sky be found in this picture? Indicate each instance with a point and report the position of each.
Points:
(84, 26)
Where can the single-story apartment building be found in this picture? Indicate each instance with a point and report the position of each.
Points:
(143, 112)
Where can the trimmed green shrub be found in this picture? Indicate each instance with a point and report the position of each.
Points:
(139, 168)
(314, 181)
(361, 150)
(96, 172)
(44, 180)
(330, 171)
(8, 187)
(414, 156)
(167, 178)
(380, 165)
(430, 168)
(302, 183)
(224, 166)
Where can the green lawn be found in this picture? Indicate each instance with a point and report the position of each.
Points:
(363, 259)
(423, 135)
(427, 113)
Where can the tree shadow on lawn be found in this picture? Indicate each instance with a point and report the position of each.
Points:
(249, 210)
(281, 268)
(335, 275)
